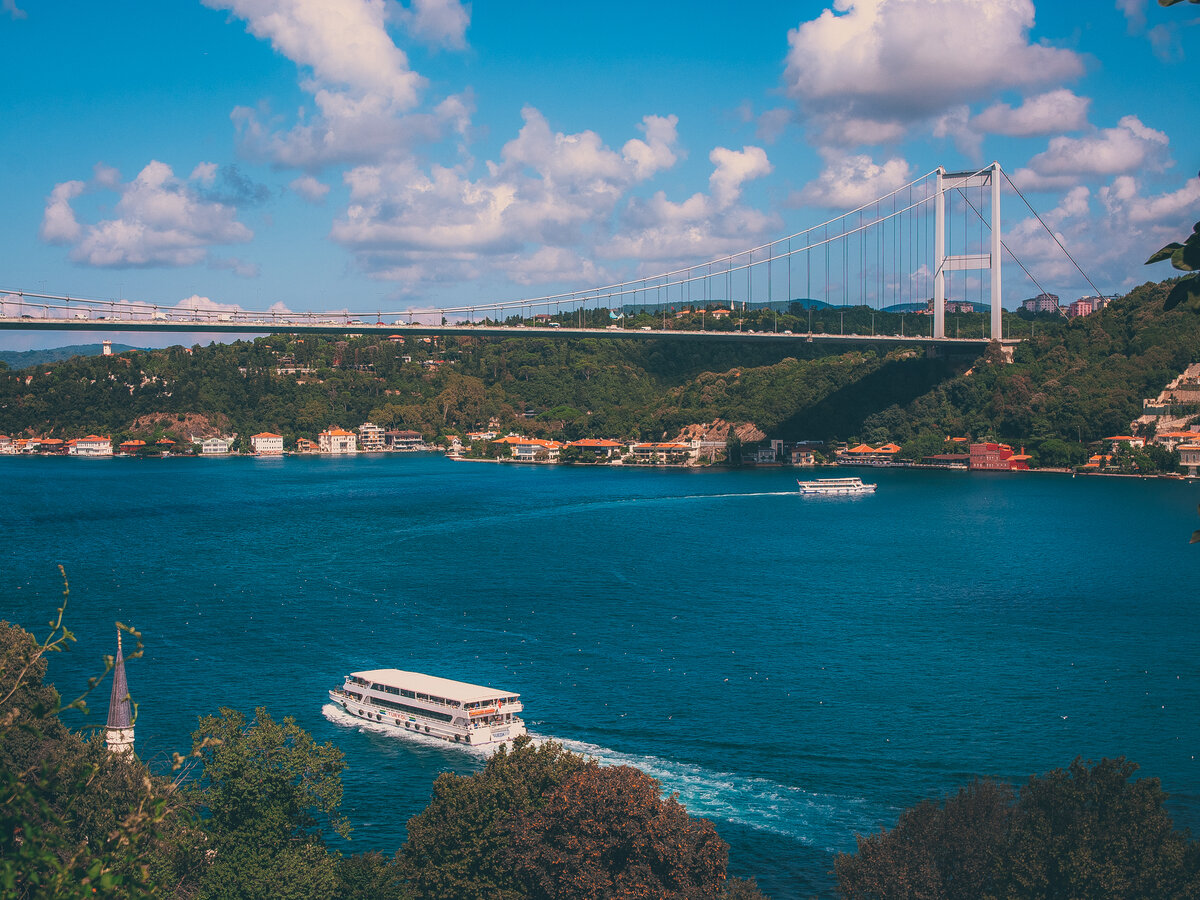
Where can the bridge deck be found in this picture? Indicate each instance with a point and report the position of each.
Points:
(265, 326)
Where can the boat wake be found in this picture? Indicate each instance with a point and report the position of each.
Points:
(812, 818)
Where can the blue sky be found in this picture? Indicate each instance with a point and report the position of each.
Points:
(369, 154)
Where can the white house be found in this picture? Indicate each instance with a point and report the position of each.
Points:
(214, 446)
(267, 444)
(337, 440)
(92, 445)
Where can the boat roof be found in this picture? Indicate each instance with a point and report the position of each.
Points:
(431, 684)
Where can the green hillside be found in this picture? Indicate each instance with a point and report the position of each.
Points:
(1072, 382)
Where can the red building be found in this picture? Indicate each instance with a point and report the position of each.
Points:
(997, 457)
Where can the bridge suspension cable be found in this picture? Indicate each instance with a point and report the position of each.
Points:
(899, 252)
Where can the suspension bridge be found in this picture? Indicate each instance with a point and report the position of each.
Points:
(917, 251)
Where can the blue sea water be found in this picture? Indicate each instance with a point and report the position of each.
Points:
(799, 670)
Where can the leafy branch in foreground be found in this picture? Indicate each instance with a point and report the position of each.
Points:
(75, 820)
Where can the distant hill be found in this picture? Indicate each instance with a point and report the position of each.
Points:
(20, 359)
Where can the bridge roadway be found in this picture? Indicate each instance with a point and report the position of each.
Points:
(281, 326)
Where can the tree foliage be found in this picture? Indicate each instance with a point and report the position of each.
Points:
(607, 833)
(266, 794)
(75, 820)
(1084, 831)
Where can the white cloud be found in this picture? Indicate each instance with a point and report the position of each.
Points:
(438, 22)
(347, 129)
(364, 92)
(733, 169)
(548, 188)
(1050, 113)
(161, 221)
(867, 69)
(59, 225)
(1173, 211)
(344, 43)
(849, 181)
(702, 226)
(10, 7)
(1111, 232)
(309, 188)
(1134, 12)
(1129, 147)
(657, 151)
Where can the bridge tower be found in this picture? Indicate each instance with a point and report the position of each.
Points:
(943, 263)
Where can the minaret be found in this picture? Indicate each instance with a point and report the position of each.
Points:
(120, 721)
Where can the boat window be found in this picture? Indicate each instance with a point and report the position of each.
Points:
(422, 696)
(414, 710)
(409, 694)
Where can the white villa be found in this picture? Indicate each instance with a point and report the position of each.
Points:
(92, 445)
(337, 440)
(267, 444)
(214, 446)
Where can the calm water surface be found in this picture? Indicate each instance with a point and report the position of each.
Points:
(798, 670)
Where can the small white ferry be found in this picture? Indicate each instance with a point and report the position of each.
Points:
(451, 710)
(835, 486)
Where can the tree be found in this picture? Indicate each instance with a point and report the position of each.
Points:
(75, 820)
(939, 852)
(1087, 831)
(1186, 258)
(267, 793)
(608, 832)
(458, 845)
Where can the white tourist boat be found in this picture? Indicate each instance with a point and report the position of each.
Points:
(439, 707)
(835, 486)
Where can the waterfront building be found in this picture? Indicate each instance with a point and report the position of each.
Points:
(92, 445)
(165, 444)
(995, 457)
(6, 445)
(596, 447)
(665, 452)
(1171, 439)
(948, 460)
(52, 446)
(371, 437)
(267, 444)
(214, 446)
(801, 456)
(531, 449)
(1189, 457)
(337, 441)
(402, 440)
(304, 445)
(1127, 439)
(119, 732)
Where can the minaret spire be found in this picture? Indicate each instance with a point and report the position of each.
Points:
(119, 735)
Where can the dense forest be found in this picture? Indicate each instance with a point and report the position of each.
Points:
(1070, 383)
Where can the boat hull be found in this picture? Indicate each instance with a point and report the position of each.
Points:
(843, 487)
(480, 735)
